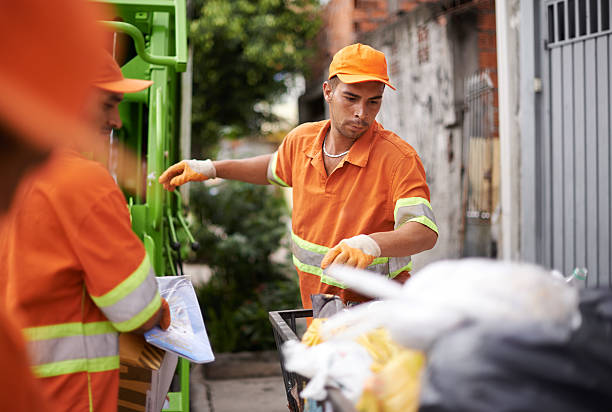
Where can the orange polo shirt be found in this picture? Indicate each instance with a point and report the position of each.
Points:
(378, 186)
(76, 274)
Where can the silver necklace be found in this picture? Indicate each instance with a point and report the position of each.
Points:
(333, 155)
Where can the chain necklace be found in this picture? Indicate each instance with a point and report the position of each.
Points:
(333, 155)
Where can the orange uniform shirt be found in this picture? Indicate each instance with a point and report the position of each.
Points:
(76, 274)
(378, 186)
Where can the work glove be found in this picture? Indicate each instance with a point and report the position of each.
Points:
(358, 251)
(187, 171)
(164, 321)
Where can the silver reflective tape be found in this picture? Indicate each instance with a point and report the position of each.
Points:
(405, 213)
(397, 263)
(314, 259)
(73, 347)
(134, 302)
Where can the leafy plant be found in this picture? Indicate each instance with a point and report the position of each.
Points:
(245, 52)
(239, 226)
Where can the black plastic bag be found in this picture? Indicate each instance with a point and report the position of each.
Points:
(525, 367)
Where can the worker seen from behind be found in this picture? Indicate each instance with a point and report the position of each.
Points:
(76, 273)
(360, 196)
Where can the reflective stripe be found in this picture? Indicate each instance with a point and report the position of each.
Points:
(307, 258)
(126, 301)
(425, 221)
(141, 317)
(414, 209)
(77, 365)
(73, 347)
(271, 174)
(68, 329)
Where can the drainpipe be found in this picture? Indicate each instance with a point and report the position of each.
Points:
(509, 134)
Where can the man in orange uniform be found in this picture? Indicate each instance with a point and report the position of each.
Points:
(77, 274)
(359, 192)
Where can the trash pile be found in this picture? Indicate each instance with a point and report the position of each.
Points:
(462, 335)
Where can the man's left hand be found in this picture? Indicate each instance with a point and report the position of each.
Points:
(358, 251)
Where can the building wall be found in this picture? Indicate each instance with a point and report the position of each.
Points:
(430, 53)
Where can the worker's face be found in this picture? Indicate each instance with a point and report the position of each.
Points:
(104, 112)
(16, 158)
(353, 107)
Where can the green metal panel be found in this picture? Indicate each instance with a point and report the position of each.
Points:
(150, 119)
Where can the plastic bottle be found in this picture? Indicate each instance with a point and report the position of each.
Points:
(578, 278)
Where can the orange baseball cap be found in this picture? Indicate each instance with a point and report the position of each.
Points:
(49, 54)
(359, 63)
(110, 78)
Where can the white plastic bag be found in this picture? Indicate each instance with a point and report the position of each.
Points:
(445, 294)
(186, 335)
(341, 364)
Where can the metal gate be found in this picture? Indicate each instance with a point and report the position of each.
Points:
(575, 154)
(481, 157)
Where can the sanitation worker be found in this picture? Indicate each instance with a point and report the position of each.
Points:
(41, 95)
(76, 273)
(359, 192)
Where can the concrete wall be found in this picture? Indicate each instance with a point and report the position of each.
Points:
(429, 57)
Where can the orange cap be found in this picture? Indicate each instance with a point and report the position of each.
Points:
(359, 63)
(110, 78)
(49, 52)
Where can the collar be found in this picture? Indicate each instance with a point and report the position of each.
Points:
(360, 151)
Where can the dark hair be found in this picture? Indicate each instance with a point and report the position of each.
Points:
(333, 82)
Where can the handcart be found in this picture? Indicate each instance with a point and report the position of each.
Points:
(284, 326)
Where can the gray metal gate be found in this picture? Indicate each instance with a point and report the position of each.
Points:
(575, 159)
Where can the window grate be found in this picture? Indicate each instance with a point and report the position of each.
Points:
(576, 20)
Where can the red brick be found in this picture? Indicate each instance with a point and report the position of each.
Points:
(486, 5)
(486, 21)
(486, 41)
(487, 60)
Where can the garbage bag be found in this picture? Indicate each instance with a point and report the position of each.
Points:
(525, 366)
(446, 294)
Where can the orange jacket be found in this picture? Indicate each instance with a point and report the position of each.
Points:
(76, 274)
(378, 186)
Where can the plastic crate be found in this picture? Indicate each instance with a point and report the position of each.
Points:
(284, 327)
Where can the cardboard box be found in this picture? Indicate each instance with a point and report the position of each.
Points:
(145, 374)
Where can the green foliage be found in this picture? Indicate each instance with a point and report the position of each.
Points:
(245, 52)
(239, 226)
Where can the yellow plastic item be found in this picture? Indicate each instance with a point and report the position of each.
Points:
(395, 385)
(312, 336)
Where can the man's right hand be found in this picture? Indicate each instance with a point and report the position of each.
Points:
(187, 171)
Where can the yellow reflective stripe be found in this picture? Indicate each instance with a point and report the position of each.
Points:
(406, 268)
(141, 317)
(317, 271)
(304, 244)
(272, 176)
(425, 221)
(126, 287)
(411, 201)
(77, 365)
(63, 330)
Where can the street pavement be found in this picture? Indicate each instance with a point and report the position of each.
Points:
(238, 383)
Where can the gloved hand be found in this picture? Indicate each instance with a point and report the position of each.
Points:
(187, 171)
(358, 251)
(164, 321)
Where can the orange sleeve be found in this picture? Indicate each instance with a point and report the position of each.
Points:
(409, 179)
(108, 249)
(279, 169)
